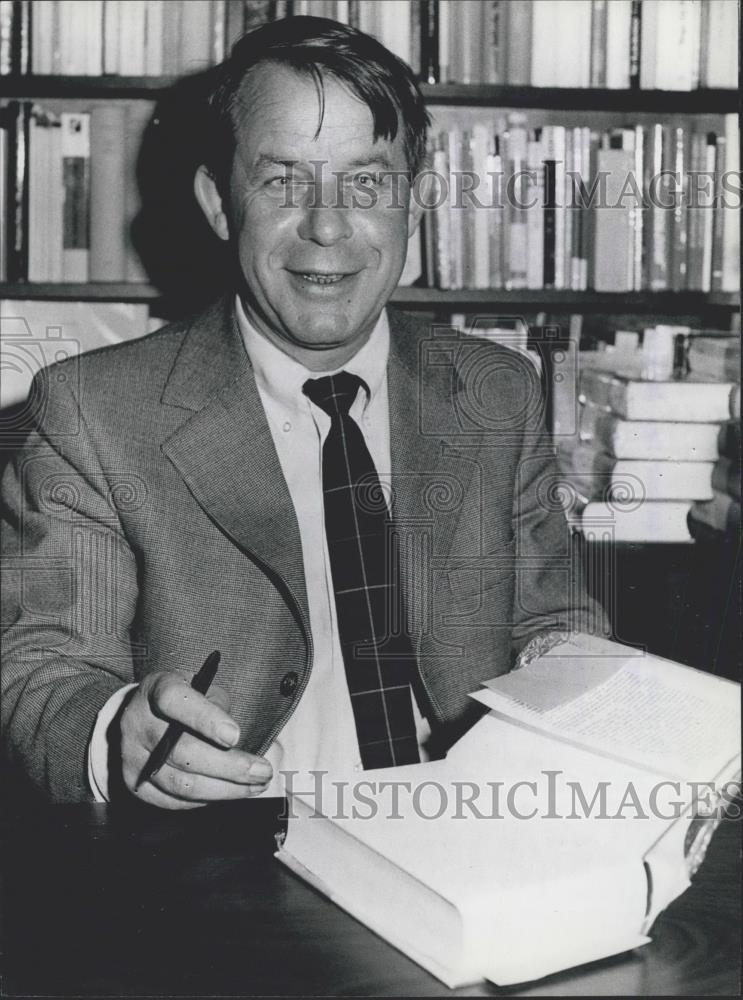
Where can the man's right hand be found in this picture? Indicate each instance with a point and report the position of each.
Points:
(204, 765)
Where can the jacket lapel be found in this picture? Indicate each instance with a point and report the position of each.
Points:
(225, 453)
(431, 480)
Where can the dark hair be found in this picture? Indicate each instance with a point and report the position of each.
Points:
(316, 46)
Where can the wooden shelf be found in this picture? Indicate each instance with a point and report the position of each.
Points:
(480, 95)
(584, 98)
(427, 299)
(103, 291)
(673, 303)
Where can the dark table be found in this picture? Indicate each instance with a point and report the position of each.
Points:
(133, 901)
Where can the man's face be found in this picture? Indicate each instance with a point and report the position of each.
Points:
(320, 219)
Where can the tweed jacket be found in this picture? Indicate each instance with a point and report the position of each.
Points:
(148, 522)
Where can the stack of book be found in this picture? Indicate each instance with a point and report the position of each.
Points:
(719, 516)
(71, 193)
(654, 44)
(645, 450)
(569, 207)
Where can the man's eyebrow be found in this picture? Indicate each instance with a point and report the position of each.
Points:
(273, 160)
(379, 159)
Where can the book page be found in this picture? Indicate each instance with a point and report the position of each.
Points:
(660, 715)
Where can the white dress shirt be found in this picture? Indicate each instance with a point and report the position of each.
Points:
(321, 733)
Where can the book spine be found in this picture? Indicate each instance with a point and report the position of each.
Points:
(718, 215)
(37, 189)
(217, 25)
(107, 186)
(498, 226)
(482, 213)
(76, 179)
(395, 28)
(695, 213)
(153, 29)
(111, 29)
(516, 169)
(429, 24)
(731, 225)
(132, 37)
(6, 34)
(442, 240)
(171, 52)
(544, 45)
(734, 402)
(518, 33)
(456, 215)
(707, 206)
(19, 113)
(195, 50)
(637, 213)
(94, 38)
(20, 38)
(680, 236)
(493, 42)
(618, 32)
(599, 16)
(536, 210)
(445, 15)
(719, 44)
(635, 44)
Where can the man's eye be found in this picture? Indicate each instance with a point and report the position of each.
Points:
(279, 181)
(368, 179)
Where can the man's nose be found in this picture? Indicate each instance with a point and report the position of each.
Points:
(325, 225)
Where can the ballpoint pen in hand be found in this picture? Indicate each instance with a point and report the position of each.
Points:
(199, 682)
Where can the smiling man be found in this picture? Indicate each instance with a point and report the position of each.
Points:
(354, 512)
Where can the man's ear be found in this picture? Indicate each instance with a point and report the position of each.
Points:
(210, 201)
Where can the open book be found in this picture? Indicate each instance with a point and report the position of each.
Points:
(528, 851)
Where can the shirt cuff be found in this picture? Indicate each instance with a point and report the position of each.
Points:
(98, 746)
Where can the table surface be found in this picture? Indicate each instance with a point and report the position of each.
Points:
(135, 901)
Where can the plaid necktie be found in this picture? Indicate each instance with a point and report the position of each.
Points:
(379, 665)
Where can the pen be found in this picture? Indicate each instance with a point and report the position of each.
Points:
(199, 682)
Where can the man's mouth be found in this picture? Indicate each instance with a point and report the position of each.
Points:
(322, 277)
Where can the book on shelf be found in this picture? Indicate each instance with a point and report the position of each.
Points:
(72, 179)
(597, 475)
(658, 44)
(634, 520)
(660, 440)
(633, 398)
(75, 152)
(514, 892)
(570, 207)
(715, 357)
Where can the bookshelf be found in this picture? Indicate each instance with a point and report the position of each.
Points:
(442, 41)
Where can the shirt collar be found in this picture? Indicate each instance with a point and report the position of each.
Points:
(282, 378)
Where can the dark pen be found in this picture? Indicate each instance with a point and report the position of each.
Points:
(200, 682)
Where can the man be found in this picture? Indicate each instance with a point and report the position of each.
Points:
(186, 492)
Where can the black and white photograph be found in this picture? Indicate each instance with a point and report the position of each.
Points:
(370, 487)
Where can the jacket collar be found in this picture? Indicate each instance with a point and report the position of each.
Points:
(225, 454)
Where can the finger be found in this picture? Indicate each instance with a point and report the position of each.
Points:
(201, 788)
(171, 698)
(194, 756)
(218, 696)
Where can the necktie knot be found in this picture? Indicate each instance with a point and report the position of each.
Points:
(335, 394)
